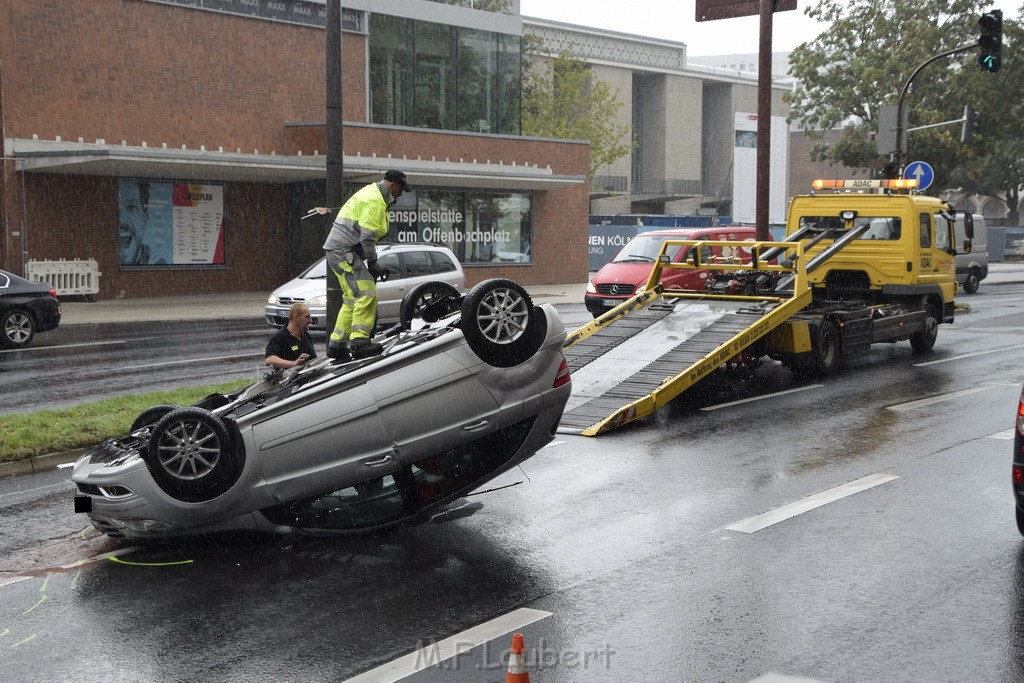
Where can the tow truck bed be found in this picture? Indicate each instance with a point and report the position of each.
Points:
(638, 353)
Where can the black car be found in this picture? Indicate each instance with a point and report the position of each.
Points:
(26, 307)
(1018, 462)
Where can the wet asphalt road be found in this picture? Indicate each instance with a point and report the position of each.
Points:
(620, 547)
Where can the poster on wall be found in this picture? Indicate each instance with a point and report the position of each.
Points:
(170, 224)
(744, 179)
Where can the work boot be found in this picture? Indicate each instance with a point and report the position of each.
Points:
(363, 348)
(338, 351)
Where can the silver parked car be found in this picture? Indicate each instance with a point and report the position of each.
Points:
(409, 265)
(472, 389)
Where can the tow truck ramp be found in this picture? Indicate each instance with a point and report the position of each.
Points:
(642, 354)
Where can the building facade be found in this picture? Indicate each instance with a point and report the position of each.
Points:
(180, 143)
(682, 116)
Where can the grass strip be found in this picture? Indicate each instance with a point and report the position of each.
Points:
(27, 435)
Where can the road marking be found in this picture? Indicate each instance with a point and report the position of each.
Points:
(968, 355)
(80, 345)
(443, 650)
(13, 579)
(196, 361)
(899, 407)
(766, 519)
(717, 406)
(1005, 435)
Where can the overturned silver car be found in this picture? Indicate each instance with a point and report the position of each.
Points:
(468, 386)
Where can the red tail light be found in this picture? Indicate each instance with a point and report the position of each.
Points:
(1020, 414)
(1018, 475)
(563, 376)
(53, 292)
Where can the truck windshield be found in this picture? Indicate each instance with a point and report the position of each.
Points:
(879, 227)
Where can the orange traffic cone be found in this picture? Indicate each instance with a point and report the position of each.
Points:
(517, 661)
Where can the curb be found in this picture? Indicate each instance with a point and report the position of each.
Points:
(40, 463)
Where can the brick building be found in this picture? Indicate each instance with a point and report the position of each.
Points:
(179, 143)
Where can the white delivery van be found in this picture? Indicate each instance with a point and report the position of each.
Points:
(972, 267)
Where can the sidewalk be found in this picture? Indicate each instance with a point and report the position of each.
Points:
(250, 304)
(236, 305)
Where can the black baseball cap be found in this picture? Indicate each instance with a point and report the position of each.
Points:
(398, 178)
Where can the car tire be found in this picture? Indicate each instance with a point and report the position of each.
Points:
(429, 302)
(923, 341)
(17, 327)
(150, 416)
(501, 324)
(972, 282)
(191, 455)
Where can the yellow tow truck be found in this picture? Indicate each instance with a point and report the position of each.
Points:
(863, 262)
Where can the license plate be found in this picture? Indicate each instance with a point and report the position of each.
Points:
(610, 303)
(83, 504)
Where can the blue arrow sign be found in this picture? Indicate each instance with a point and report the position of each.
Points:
(921, 172)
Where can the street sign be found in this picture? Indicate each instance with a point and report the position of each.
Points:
(886, 138)
(709, 10)
(921, 172)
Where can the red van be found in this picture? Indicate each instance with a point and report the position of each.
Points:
(624, 275)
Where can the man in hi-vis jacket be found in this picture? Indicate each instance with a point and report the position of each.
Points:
(351, 250)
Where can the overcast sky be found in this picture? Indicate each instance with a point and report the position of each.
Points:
(674, 20)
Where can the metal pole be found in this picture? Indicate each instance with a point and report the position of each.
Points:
(898, 156)
(764, 121)
(335, 139)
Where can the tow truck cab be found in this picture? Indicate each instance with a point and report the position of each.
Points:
(888, 248)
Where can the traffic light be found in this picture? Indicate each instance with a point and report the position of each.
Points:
(969, 126)
(991, 40)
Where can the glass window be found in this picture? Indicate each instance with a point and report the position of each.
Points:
(942, 234)
(509, 82)
(366, 504)
(443, 77)
(502, 6)
(391, 262)
(442, 264)
(392, 52)
(476, 63)
(926, 230)
(417, 263)
(436, 101)
(441, 475)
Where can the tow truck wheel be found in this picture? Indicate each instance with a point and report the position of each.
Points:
(924, 340)
(826, 348)
(972, 282)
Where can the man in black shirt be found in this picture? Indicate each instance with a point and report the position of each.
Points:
(292, 345)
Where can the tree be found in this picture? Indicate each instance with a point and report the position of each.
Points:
(863, 61)
(562, 99)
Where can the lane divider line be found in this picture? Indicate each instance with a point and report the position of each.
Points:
(941, 398)
(968, 355)
(762, 397)
(1005, 435)
(448, 648)
(780, 514)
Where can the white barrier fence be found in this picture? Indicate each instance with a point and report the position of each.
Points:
(67, 277)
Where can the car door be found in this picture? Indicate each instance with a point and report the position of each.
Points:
(434, 402)
(322, 441)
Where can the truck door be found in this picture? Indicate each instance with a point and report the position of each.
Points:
(936, 262)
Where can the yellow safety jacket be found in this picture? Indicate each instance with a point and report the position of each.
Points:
(363, 220)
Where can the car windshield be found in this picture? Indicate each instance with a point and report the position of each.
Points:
(642, 249)
(317, 271)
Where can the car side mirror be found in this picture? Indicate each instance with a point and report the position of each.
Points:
(969, 226)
